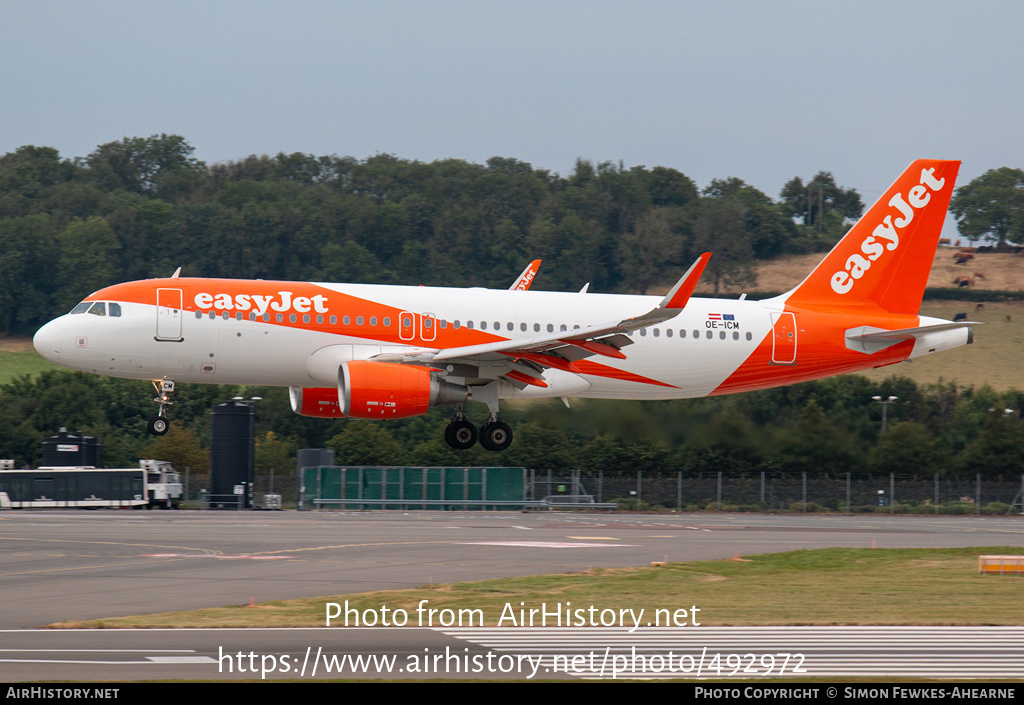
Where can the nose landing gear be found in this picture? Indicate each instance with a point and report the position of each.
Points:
(159, 424)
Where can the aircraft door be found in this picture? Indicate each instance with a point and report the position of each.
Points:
(168, 314)
(784, 338)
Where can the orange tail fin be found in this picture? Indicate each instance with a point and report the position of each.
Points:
(886, 257)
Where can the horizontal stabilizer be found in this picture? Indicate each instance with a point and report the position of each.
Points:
(868, 339)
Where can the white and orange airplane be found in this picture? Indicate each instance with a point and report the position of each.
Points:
(384, 352)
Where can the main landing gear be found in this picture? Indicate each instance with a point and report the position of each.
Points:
(460, 434)
(159, 424)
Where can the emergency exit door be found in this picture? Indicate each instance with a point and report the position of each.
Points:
(784, 338)
(168, 314)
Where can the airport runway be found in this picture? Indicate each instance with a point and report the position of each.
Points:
(66, 565)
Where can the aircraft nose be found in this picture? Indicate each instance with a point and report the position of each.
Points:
(47, 341)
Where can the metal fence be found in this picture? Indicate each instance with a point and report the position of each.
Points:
(796, 492)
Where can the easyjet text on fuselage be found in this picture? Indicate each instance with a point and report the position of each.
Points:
(282, 301)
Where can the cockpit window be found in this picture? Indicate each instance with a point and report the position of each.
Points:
(98, 309)
(82, 307)
(114, 310)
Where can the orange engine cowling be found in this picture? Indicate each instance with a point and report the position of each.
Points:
(381, 390)
(319, 402)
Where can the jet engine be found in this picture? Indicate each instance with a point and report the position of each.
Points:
(318, 402)
(381, 390)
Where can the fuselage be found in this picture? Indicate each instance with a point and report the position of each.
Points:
(296, 334)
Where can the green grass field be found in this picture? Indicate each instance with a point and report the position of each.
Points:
(834, 586)
(16, 363)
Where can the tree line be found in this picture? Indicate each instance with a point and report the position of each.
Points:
(828, 427)
(141, 207)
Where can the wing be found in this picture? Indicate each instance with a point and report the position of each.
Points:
(523, 360)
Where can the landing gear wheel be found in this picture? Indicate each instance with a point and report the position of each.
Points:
(495, 435)
(158, 425)
(460, 434)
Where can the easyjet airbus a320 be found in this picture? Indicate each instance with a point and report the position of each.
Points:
(385, 352)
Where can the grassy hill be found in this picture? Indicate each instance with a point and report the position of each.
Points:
(992, 359)
(18, 357)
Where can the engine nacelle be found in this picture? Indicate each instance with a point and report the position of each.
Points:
(382, 390)
(318, 402)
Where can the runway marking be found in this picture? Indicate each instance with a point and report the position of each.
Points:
(211, 555)
(82, 567)
(865, 652)
(98, 651)
(356, 545)
(188, 656)
(594, 538)
(547, 544)
(106, 543)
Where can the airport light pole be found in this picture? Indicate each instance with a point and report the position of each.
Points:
(885, 410)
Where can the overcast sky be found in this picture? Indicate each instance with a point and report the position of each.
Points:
(763, 91)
